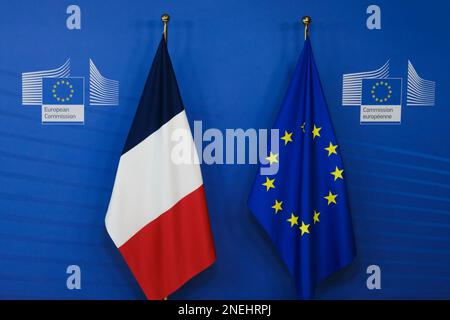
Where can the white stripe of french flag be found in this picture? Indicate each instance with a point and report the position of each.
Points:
(157, 215)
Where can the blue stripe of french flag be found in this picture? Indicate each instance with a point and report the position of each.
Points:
(157, 215)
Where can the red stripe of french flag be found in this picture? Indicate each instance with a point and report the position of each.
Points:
(157, 215)
(171, 249)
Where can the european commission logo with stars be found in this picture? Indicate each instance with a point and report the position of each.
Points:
(381, 100)
(63, 100)
(380, 97)
(62, 97)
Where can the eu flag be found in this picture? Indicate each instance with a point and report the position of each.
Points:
(303, 206)
(63, 91)
(382, 91)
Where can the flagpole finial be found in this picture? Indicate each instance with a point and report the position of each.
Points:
(306, 21)
(165, 19)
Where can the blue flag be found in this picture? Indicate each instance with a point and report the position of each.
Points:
(383, 91)
(303, 206)
(63, 91)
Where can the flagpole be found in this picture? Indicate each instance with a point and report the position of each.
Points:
(165, 19)
(306, 21)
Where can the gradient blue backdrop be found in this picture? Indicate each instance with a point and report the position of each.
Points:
(233, 60)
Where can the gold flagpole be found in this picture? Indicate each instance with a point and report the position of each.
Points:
(165, 19)
(306, 21)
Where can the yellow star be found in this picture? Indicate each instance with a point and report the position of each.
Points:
(293, 220)
(269, 184)
(287, 137)
(331, 198)
(337, 174)
(272, 158)
(304, 228)
(331, 149)
(316, 216)
(303, 126)
(277, 206)
(315, 132)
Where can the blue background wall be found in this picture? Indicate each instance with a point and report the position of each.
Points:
(233, 60)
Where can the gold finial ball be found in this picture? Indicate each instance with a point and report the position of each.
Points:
(165, 17)
(306, 20)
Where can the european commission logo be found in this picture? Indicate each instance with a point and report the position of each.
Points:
(380, 97)
(381, 100)
(62, 97)
(63, 100)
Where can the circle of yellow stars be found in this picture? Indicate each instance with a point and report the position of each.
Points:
(381, 84)
(331, 198)
(66, 84)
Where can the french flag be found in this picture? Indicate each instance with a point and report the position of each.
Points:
(157, 215)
